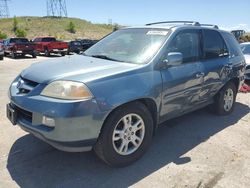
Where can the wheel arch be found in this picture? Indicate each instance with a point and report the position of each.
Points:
(149, 103)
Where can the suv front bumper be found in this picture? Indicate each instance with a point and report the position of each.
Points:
(77, 123)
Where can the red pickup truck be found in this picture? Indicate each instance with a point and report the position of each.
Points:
(19, 46)
(48, 45)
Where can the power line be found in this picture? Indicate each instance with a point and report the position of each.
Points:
(57, 8)
(4, 9)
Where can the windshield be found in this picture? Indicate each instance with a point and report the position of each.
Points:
(245, 48)
(19, 40)
(129, 45)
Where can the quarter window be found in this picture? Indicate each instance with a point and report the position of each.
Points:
(213, 45)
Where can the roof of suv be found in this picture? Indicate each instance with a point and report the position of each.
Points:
(178, 24)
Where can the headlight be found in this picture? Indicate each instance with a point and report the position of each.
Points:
(67, 90)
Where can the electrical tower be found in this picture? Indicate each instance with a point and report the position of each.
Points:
(4, 9)
(57, 8)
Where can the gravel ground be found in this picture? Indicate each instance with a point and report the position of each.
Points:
(196, 150)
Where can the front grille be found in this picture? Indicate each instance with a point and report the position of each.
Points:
(24, 114)
(25, 86)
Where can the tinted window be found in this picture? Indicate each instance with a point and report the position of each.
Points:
(213, 45)
(48, 39)
(19, 40)
(187, 43)
(232, 44)
(37, 40)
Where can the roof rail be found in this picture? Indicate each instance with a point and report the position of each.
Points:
(210, 25)
(171, 22)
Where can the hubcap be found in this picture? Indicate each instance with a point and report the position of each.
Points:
(228, 99)
(128, 134)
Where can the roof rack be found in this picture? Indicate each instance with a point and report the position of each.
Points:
(194, 23)
(210, 25)
(170, 22)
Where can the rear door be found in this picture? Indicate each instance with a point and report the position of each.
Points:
(215, 63)
(182, 83)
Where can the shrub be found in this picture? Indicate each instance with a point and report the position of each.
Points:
(71, 27)
(20, 33)
(3, 35)
(15, 23)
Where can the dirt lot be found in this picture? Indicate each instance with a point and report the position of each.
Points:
(196, 150)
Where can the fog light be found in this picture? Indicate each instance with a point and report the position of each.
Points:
(50, 122)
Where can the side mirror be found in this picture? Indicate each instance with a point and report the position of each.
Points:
(173, 59)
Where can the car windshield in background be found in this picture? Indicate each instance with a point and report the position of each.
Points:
(19, 40)
(129, 45)
(49, 39)
(245, 48)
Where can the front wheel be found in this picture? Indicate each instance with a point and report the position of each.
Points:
(225, 100)
(1, 57)
(126, 135)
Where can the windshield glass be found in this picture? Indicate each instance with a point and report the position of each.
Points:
(129, 45)
(19, 40)
(245, 48)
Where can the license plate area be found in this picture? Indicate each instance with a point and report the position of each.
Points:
(11, 114)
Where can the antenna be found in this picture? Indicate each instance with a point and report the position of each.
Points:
(57, 8)
(4, 9)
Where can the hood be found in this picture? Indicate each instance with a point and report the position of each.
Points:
(247, 58)
(75, 68)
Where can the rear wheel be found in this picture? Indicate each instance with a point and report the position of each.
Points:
(126, 135)
(13, 55)
(34, 55)
(46, 52)
(62, 54)
(1, 57)
(225, 100)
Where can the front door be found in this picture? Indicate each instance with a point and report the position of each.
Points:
(182, 83)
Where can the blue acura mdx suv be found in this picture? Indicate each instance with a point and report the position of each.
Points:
(112, 97)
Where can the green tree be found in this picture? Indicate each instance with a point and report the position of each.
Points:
(71, 27)
(3, 35)
(20, 33)
(15, 24)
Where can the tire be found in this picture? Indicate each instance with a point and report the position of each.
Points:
(34, 55)
(13, 55)
(1, 57)
(107, 147)
(227, 93)
(62, 54)
(46, 52)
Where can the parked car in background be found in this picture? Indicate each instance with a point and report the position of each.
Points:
(49, 45)
(245, 47)
(238, 33)
(113, 97)
(75, 46)
(1, 50)
(87, 43)
(19, 47)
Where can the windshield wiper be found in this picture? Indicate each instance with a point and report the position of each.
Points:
(104, 57)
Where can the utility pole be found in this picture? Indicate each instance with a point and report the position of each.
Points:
(4, 9)
(57, 8)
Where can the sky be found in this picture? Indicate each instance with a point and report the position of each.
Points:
(227, 14)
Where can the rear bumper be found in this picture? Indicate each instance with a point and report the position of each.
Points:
(58, 51)
(25, 52)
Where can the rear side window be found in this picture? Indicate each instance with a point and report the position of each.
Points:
(232, 44)
(48, 39)
(213, 45)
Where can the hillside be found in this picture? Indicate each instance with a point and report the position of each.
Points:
(47, 26)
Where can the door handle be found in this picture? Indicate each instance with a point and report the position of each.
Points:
(200, 74)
